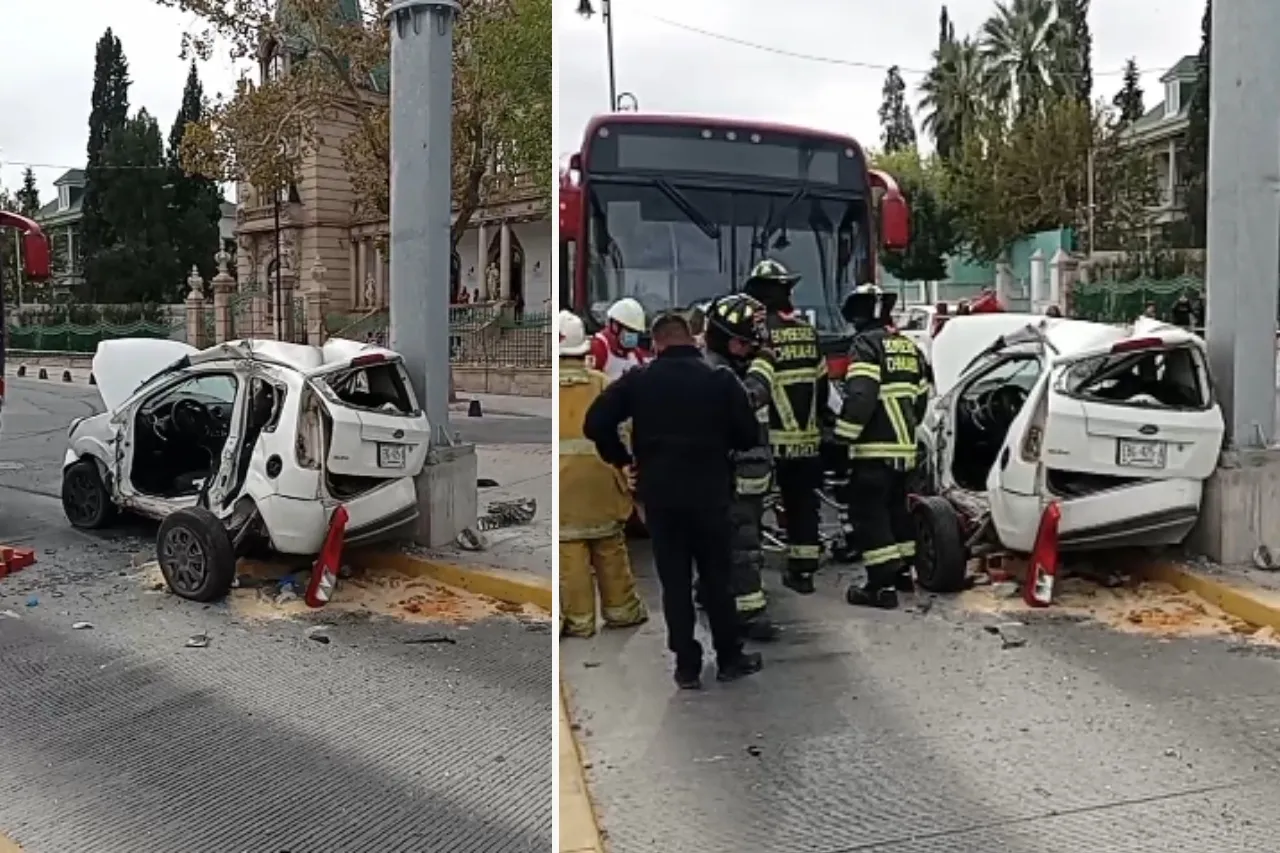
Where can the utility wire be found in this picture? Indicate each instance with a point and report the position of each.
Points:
(826, 60)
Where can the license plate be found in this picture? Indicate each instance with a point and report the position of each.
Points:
(1131, 453)
(391, 455)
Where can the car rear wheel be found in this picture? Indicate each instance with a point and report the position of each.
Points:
(85, 499)
(195, 554)
(940, 553)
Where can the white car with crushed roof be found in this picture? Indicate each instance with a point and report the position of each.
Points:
(1119, 426)
(245, 444)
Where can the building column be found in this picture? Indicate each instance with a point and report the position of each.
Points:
(362, 271)
(482, 260)
(353, 279)
(504, 260)
(380, 275)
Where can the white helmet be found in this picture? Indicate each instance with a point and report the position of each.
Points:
(573, 335)
(627, 312)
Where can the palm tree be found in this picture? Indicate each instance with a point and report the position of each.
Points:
(952, 94)
(1020, 44)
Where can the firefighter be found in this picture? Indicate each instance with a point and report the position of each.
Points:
(615, 349)
(798, 387)
(885, 391)
(595, 501)
(734, 332)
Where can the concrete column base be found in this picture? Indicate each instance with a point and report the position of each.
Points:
(1240, 507)
(447, 497)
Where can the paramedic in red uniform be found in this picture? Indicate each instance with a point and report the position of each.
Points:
(615, 349)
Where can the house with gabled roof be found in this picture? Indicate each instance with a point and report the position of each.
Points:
(1161, 132)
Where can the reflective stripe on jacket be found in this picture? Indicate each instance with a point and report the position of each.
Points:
(594, 500)
(797, 379)
(885, 392)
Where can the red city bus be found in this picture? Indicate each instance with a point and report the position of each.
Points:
(674, 210)
(34, 251)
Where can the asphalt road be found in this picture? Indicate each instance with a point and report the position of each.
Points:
(921, 732)
(120, 739)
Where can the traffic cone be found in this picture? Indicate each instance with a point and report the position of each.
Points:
(324, 574)
(1042, 570)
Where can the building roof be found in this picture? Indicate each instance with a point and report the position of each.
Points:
(74, 177)
(344, 12)
(1186, 69)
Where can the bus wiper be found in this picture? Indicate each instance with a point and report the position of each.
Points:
(697, 217)
(778, 220)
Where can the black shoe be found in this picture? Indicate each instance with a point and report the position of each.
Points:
(904, 583)
(689, 679)
(845, 554)
(861, 596)
(801, 582)
(759, 629)
(747, 663)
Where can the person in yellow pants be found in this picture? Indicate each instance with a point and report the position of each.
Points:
(595, 503)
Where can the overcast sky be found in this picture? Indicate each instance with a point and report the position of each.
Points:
(46, 77)
(670, 69)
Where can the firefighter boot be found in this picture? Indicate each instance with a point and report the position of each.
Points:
(747, 663)
(577, 590)
(757, 626)
(801, 582)
(619, 603)
(884, 598)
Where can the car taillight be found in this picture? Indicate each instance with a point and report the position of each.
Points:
(1134, 344)
(2, 389)
(366, 360)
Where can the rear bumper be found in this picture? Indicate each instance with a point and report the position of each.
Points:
(1167, 510)
(300, 526)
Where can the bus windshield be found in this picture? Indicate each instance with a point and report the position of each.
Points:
(673, 245)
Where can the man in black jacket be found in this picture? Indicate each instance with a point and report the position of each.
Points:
(687, 418)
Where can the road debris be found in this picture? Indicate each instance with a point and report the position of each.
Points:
(318, 634)
(198, 641)
(1009, 634)
(33, 601)
(508, 514)
(81, 626)
(430, 639)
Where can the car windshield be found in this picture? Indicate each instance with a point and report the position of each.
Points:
(671, 246)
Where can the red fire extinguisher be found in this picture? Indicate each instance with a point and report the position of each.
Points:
(324, 574)
(1042, 570)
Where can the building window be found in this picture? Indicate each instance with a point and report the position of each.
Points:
(64, 197)
(1172, 101)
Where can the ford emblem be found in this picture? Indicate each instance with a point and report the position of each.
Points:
(400, 433)
(1148, 429)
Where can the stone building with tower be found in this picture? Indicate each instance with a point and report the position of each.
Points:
(505, 254)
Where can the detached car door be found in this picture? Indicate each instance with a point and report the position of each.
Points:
(378, 429)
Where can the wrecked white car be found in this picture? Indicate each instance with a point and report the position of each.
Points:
(1118, 426)
(244, 445)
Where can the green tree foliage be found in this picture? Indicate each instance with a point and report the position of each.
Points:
(109, 111)
(1022, 45)
(897, 131)
(8, 251)
(263, 132)
(934, 232)
(195, 200)
(952, 99)
(140, 264)
(1196, 169)
(946, 29)
(1034, 176)
(1129, 100)
(28, 197)
(1074, 49)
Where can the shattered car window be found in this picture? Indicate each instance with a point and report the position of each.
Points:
(379, 387)
(1163, 378)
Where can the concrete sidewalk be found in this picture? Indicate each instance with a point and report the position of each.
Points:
(504, 404)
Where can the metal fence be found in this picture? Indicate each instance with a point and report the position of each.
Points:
(1124, 301)
(482, 335)
(76, 337)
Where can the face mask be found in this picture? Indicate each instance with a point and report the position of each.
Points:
(629, 339)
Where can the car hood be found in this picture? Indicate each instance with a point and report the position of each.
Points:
(123, 365)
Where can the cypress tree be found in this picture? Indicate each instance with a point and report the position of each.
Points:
(195, 201)
(108, 113)
(1129, 100)
(897, 129)
(1196, 140)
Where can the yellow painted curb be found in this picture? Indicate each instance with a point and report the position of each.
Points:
(1258, 607)
(579, 830)
(8, 846)
(504, 585)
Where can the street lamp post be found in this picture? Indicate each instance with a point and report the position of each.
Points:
(586, 10)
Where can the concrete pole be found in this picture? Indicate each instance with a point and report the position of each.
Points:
(1243, 264)
(421, 128)
(421, 217)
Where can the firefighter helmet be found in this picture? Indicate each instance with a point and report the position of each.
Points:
(868, 302)
(737, 316)
(573, 335)
(769, 271)
(628, 313)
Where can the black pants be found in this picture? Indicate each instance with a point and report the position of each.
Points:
(682, 537)
(799, 478)
(747, 557)
(878, 508)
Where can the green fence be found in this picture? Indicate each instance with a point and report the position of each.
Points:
(74, 337)
(1124, 301)
(483, 335)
